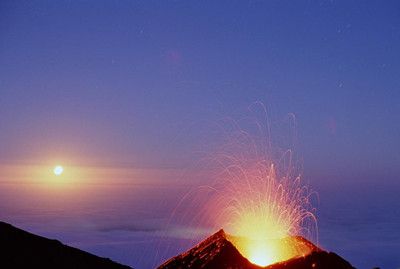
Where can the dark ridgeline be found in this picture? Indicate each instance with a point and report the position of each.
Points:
(217, 252)
(20, 249)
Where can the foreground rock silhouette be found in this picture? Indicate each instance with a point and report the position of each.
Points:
(217, 252)
(20, 249)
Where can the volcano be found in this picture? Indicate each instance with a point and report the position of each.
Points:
(219, 252)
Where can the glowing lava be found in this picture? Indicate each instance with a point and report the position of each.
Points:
(257, 197)
(260, 252)
(268, 251)
(263, 211)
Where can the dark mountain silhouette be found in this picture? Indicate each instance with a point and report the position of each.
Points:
(20, 249)
(217, 252)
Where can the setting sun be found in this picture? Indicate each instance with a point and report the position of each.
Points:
(58, 170)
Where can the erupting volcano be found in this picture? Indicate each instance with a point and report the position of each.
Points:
(264, 218)
(262, 212)
(265, 209)
(217, 251)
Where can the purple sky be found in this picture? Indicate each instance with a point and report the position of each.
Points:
(142, 84)
(136, 82)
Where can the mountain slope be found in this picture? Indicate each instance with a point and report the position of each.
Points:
(21, 249)
(214, 252)
(217, 252)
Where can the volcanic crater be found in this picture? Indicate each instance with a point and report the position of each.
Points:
(219, 251)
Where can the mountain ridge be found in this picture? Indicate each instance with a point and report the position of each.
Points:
(217, 251)
(22, 249)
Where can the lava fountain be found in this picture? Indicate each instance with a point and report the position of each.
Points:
(256, 196)
(263, 205)
(262, 211)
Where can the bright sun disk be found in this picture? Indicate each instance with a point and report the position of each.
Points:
(58, 170)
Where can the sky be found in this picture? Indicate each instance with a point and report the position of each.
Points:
(125, 85)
